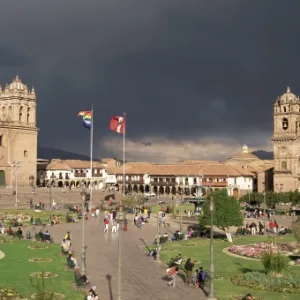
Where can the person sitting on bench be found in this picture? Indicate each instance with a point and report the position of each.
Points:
(65, 246)
(10, 231)
(92, 295)
(19, 232)
(178, 260)
(80, 279)
(47, 236)
(175, 236)
(74, 261)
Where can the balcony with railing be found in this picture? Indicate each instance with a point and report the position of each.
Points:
(78, 175)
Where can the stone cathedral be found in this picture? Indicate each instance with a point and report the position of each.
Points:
(286, 142)
(18, 134)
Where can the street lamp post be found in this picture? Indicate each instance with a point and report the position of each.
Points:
(120, 246)
(264, 211)
(181, 195)
(83, 249)
(211, 295)
(249, 194)
(158, 230)
(16, 166)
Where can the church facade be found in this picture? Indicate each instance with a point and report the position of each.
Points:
(286, 142)
(18, 135)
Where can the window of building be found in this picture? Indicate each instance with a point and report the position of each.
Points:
(28, 115)
(20, 114)
(10, 111)
(1, 140)
(285, 124)
(25, 153)
(283, 165)
(284, 109)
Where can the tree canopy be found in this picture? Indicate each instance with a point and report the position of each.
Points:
(272, 198)
(227, 211)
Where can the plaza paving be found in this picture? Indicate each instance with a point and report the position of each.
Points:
(142, 277)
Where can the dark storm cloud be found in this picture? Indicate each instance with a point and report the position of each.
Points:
(180, 69)
(10, 57)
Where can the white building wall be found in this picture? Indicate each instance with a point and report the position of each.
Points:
(242, 183)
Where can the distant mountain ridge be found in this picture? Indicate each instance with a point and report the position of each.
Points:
(262, 154)
(50, 153)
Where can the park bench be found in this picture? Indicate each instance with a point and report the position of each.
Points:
(80, 280)
(63, 251)
(163, 239)
(18, 235)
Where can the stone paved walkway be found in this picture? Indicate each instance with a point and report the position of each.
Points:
(141, 275)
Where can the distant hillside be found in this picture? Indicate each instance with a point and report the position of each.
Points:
(49, 153)
(263, 154)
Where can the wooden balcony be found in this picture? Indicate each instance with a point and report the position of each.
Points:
(215, 184)
(80, 175)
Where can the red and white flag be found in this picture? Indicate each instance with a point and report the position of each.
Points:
(117, 124)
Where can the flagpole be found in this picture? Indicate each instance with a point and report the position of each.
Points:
(121, 217)
(91, 156)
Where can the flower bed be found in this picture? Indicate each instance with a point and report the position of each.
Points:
(242, 297)
(56, 296)
(40, 259)
(7, 241)
(287, 283)
(9, 294)
(37, 246)
(43, 275)
(256, 250)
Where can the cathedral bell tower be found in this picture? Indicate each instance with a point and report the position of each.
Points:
(286, 142)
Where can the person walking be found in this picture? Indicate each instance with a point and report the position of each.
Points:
(189, 265)
(106, 222)
(114, 226)
(172, 272)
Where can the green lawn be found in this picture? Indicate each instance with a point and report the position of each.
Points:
(226, 265)
(15, 269)
(185, 206)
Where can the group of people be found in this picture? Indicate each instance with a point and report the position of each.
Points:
(197, 279)
(110, 218)
(71, 260)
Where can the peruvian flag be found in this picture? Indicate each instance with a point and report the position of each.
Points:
(117, 124)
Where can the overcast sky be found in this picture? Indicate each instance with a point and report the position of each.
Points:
(197, 79)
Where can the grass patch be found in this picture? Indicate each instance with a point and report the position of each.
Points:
(227, 266)
(15, 269)
(185, 206)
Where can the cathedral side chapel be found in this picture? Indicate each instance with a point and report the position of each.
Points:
(18, 134)
(286, 142)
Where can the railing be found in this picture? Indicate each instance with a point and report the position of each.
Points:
(80, 175)
(215, 184)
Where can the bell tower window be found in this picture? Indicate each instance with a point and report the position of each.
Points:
(28, 114)
(284, 109)
(283, 165)
(285, 124)
(20, 114)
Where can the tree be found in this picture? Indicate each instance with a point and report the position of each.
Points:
(296, 232)
(227, 212)
(132, 201)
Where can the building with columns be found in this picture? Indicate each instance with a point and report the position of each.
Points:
(286, 142)
(18, 134)
(184, 177)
